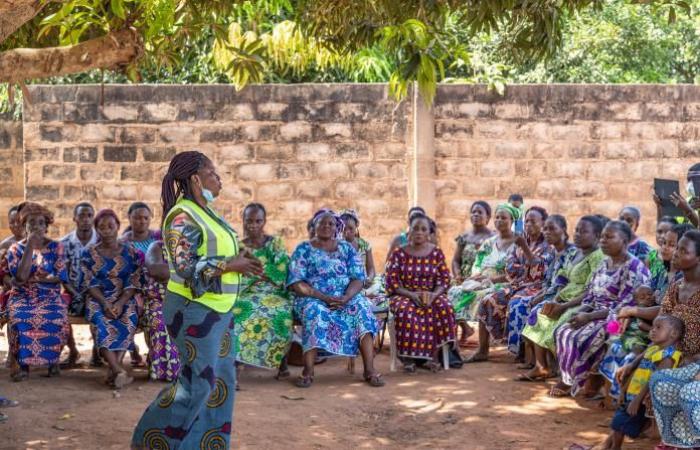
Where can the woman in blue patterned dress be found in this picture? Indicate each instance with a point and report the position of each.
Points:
(327, 275)
(522, 306)
(38, 316)
(140, 235)
(112, 274)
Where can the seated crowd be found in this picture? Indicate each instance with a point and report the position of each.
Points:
(602, 311)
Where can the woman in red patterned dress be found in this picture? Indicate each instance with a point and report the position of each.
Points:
(417, 279)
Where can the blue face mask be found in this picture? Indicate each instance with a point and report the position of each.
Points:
(208, 196)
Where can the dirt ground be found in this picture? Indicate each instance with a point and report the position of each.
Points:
(477, 407)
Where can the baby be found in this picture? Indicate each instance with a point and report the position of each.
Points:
(635, 330)
(630, 418)
(629, 336)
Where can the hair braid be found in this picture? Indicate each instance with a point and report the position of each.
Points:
(176, 181)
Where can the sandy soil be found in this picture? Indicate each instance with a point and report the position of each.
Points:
(477, 407)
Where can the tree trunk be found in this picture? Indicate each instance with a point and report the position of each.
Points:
(115, 49)
(15, 13)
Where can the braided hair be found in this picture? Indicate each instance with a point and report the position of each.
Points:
(176, 181)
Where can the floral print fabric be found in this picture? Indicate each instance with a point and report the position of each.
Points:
(263, 311)
(335, 331)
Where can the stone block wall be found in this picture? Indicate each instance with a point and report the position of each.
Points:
(574, 149)
(11, 168)
(293, 148)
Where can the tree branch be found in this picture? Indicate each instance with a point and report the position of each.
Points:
(115, 49)
(15, 13)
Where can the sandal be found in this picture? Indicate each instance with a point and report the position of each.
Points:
(73, 362)
(7, 403)
(529, 378)
(20, 376)
(525, 366)
(283, 374)
(557, 392)
(121, 380)
(3, 417)
(304, 381)
(54, 371)
(476, 358)
(96, 362)
(409, 367)
(375, 380)
(432, 366)
(139, 364)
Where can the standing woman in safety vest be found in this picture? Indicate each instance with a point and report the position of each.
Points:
(196, 411)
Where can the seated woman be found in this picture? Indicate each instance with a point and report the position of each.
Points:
(401, 239)
(163, 356)
(327, 276)
(489, 269)
(37, 314)
(675, 397)
(659, 259)
(675, 393)
(563, 296)
(522, 306)
(263, 312)
(641, 249)
(417, 278)
(351, 234)
(140, 235)
(464, 258)
(373, 287)
(526, 265)
(580, 342)
(112, 274)
(682, 299)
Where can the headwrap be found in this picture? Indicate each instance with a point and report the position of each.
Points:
(339, 225)
(510, 209)
(106, 213)
(34, 209)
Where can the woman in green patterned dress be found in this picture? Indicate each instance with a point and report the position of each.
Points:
(565, 296)
(489, 270)
(263, 312)
(464, 258)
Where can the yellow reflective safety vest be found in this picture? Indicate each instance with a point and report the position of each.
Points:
(218, 239)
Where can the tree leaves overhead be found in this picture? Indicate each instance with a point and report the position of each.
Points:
(399, 41)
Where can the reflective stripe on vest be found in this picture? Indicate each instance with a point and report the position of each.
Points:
(217, 241)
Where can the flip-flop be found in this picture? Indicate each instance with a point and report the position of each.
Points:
(556, 392)
(304, 381)
(375, 380)
(3, 417)
(69, 364)
(528, 378)
(20, 376)
(122, 379)
(282, 374)
(580, 447)
(474, 359)
(7, 403)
